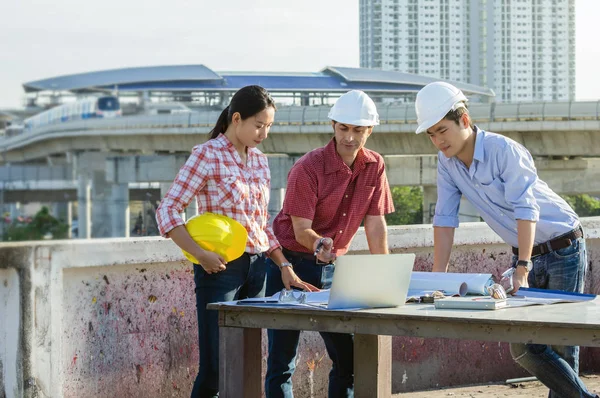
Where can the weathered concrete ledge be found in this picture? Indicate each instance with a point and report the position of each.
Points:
(116, 317)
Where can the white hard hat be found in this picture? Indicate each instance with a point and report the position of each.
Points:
(434, 101)
(355, 108)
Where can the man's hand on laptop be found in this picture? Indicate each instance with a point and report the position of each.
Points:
(323, 250)
(290, 279)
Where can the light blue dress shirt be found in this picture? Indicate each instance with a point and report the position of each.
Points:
(502, 184)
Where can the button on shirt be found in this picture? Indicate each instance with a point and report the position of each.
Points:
(502, 184)
(222, 184)
(322, 188)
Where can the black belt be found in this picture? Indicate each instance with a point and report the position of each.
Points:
(558, 243)
(291, 253)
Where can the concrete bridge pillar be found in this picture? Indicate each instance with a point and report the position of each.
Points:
(429, 200)
(280, 166)
(14, 210)
(84, 206)
(276, 202)
(63, 211)
(120, 217)
(103, 205)
(69, 220)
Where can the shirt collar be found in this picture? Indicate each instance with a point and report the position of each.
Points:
(225, 143)
(334, 162)
(479, 153)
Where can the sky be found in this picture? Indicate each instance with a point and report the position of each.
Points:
(42, 39)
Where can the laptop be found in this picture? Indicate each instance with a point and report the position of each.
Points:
(370, 281)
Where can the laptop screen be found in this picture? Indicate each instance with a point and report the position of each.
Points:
(371, 281)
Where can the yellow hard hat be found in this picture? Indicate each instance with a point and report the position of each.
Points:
(217, 233)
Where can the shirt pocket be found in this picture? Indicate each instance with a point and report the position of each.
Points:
(365, 194)
(231, 191)
(263, 192)
(494, 192)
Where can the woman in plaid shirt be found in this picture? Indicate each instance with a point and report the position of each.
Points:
(228, 176)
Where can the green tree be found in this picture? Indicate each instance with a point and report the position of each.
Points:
(408, 202)
(584, 205)
(42, 226)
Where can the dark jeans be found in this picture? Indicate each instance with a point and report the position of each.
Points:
(283, 344)
(243, 278)
(556, 366)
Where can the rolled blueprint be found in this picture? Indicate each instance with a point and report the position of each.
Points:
(451, 283)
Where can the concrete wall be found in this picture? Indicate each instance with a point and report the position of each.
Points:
(10, 375)
(116, 317)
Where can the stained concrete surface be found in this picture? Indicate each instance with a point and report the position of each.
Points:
(515, 390)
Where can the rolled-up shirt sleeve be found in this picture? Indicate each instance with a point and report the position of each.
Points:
(448, 200)
(519, 175)
(191, 178)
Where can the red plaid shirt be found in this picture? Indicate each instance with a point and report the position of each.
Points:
(222, 184)
(322, 188)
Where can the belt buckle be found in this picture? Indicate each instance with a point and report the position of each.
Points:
(319, 262)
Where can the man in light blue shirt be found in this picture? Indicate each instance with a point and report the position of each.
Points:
(498, 176)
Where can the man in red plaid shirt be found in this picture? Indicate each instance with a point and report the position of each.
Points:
(330, 191)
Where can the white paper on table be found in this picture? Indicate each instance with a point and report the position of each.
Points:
(322, 296)
(313, 299)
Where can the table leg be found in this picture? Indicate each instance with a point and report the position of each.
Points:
(372, 366)
(240, 363)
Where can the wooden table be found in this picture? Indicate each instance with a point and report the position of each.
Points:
(240, 335)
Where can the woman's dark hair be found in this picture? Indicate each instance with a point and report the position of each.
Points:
(248, 101)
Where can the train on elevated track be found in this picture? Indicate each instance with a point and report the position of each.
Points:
(86, 108)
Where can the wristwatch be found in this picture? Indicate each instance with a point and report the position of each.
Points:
(286, 264)
(525, 263)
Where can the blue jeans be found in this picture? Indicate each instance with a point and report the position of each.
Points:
(243, 278)
(556, 366)
(283, 344)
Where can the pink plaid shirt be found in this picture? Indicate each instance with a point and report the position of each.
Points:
(222, 184)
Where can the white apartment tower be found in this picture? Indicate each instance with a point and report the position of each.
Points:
(523, 49)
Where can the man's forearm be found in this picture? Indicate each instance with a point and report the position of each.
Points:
(526, 237)
(304, 233)
(307, 238)
(443, 238)
(376, 233)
